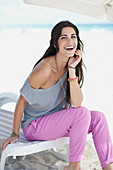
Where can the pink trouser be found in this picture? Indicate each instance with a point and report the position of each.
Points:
(75, 123)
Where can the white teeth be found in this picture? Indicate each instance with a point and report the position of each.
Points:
(70, 47)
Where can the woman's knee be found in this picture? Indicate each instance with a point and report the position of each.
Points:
(99, 116)
(83, 113)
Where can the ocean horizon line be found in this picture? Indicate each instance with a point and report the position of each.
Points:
(82, 26)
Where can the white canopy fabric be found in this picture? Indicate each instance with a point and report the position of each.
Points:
(94, 8)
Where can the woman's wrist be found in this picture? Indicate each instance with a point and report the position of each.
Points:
(15, 134)
(73, 79)
(72, 73)
(71, 67)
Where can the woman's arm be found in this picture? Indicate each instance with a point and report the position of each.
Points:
(75, 90)
(20, 106)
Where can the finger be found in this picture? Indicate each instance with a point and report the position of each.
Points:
(78, 51)
(4, 145)
(1, 146)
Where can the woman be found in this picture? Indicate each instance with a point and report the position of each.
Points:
(51, 100)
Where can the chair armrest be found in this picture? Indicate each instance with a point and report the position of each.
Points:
(7, 97)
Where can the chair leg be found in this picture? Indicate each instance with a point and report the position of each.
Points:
(63, 157)
(4, 155)
(21, 158)
(2, 164)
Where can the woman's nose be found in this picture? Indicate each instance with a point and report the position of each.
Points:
(69, 40)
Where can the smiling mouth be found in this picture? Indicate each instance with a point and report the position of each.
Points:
(69, 48)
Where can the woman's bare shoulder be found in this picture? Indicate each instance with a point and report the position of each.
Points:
(40, 74)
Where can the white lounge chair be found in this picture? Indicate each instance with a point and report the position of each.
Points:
(23, 147)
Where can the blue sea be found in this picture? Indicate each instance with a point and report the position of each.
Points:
(83, 27)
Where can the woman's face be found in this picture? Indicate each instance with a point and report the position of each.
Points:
(67, 42)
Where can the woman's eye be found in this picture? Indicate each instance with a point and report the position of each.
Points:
(63, 38)
(73, 37)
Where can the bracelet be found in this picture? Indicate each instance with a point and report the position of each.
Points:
(70, 79)
(71, 67)
(15, 134)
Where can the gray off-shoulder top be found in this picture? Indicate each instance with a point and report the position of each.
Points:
(42, 101)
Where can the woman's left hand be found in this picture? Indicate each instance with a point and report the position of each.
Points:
(73, 62)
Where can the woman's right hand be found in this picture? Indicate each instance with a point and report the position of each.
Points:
(9, 140)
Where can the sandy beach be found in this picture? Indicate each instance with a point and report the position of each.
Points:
(20, 50)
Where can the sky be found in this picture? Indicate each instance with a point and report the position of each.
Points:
(16, 12)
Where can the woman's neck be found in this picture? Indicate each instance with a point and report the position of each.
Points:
(61, 62)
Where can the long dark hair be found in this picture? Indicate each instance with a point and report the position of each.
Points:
(53, 49)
